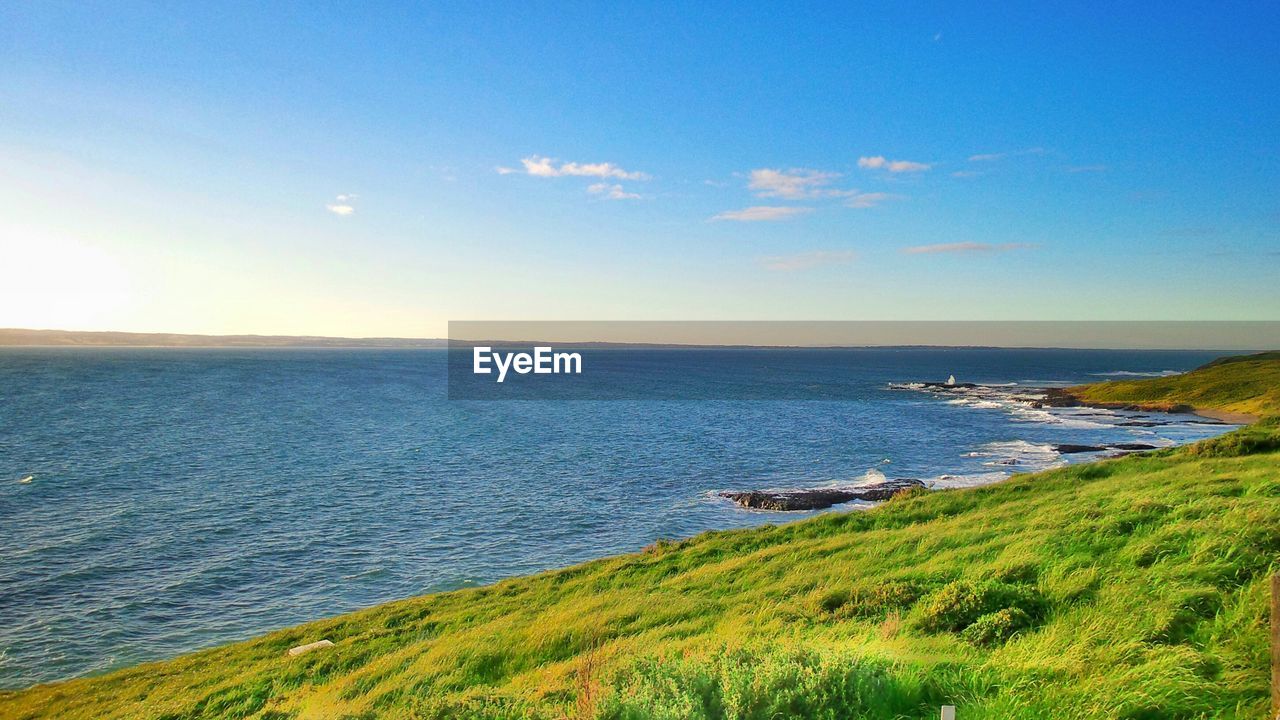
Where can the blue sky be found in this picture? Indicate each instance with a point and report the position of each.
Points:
(378, 169)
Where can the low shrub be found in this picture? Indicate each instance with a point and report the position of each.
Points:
(872, 601)
(997, 627)
(959, 604)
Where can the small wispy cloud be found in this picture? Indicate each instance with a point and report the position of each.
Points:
(762, 213)
(965, 173)
(965, 248)
(548, 167)
(993, 157)
(612, 192)
(342, 205)
(870, 199)
(807, 260)
(1087, 168)
(879, 162)
(793, 184)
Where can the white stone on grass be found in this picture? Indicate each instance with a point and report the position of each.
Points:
(317, 645)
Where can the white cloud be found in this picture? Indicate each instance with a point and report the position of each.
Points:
(762, 213)
(611, 192)
(965, 173)
(793, 184)
(542, 166)
(907, 166)
(878, 162)
(870, 199)
(806, 260)
(341, 205)
(603, 170)
(992, 157)
(965, 248)
(1087, 168)
(539, 166)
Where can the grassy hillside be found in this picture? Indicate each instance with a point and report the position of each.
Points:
(1131, 588)
(1242, 384)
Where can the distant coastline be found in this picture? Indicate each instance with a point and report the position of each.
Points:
(25, 337)
(15, 337)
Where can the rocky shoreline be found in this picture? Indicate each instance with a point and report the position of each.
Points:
(801, 499)
(819, 498)
(1063, 397)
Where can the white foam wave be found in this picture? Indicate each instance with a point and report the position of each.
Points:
(1130, 373)
(941, 482)
(977, 403)
(1019, 455)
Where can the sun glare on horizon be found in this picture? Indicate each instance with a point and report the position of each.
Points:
(63, 284)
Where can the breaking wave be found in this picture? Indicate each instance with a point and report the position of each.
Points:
(1129, 373)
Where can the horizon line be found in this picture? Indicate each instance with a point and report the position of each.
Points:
(55, 338)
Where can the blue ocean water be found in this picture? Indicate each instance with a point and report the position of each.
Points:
(185, 498)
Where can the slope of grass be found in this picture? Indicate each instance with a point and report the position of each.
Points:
(1130, 588)
(1242, 384)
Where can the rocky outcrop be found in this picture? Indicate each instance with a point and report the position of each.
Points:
(1068, 449)
(1057, 397)
(819, 498)
(1062, 397)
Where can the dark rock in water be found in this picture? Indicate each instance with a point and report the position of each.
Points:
(952, 386)
(818, 498)
(1067, 449)
(1057, 397)
(1140, 423)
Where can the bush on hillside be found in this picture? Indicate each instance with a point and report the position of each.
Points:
(958, 605)
(997, 627)
(871, 601)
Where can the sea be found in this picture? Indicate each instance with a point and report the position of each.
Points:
(159, 501)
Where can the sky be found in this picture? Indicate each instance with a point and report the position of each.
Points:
(378, 169)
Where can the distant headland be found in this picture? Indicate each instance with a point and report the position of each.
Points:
(16, 337)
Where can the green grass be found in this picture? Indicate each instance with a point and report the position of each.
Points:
(1131, 588)
(1244, 384)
